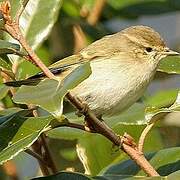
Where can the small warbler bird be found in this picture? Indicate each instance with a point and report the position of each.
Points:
(123, 64)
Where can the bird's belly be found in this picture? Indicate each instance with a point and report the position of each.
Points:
(109, 91)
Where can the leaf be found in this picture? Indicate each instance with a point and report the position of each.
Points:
(170, 65)
(8, 114)
(163, 98)
(49, 93)
(96, 152)
(165, 161)
(153, 113)
(65, 176)
(8, 47)
(18, 133)
(3, 91)
(38, 19)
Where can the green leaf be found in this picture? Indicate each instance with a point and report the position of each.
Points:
(96, 152)
(8, 47)
(49, 93)
(153, 113)
(170, 65)
(38, 19)
(18, 133)
(7, 114)
(3, 91)
(162, 98)
(165, 161)
(65, 176)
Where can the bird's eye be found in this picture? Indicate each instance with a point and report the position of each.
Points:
(149, 49)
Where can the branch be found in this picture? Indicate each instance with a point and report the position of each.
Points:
(102, 128)
(36, 156)
(143, 136)
(96, 12)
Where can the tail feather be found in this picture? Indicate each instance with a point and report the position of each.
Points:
(27, 82)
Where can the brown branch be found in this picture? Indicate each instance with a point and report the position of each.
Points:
(102, 128)
(47, 155)
(36, 156)
(96, 12)
(99, 126)
(37, 149)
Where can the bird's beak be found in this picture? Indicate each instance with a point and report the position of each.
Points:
(169, 52)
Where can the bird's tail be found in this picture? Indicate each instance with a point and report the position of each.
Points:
(27, 82)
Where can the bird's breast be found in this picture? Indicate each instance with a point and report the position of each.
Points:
(113, 86)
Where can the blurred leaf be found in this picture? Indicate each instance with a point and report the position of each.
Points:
(8, 47)
(96, 152)
(18, 133)
(170, 65)
(38, 19)
(128, 167)
(5, 63)
(49, 93)
(140, 7)
(7, 114)
(3, 91)
(174, 175)
(165, 161)
(153, 113)
(163, 98)
(65, 176)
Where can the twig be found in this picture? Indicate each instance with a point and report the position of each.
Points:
(37, 156)
(37, 149)
(143, 136)
(96, 12)
(47, 154)
(100, 127)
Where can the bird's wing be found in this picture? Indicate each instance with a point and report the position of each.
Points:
(66, 64)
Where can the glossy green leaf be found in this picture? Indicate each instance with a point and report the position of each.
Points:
(7, 114)
(3, 91)
(162, 98)
(18, 133)
(8, 47)
(49, 93)
(153, 113)
(65, 176)
(5, 63)
(96, 152)
(38, 19)
(165, 161)
(170, 65)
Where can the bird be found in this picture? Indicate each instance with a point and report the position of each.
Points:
(123, 64)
